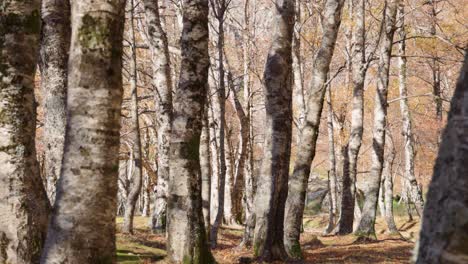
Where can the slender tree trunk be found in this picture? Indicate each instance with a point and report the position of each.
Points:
(365, 228)
(205, 167)
(332, 166)
(298, 88)
(242, 153)
(443, 234)
(388, 187)
(414, 191)
(435, 64)
(55, 44)
(214, 117)
(358, 69)
(84, 232)
(134, 137)
(163, 98)
(187, 240)
(219, 13)
(23, 200)
(298, 182)
(249, 181)
(271, 195)
(228, 214)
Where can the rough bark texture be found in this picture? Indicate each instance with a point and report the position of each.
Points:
(23, 200)
(82, 228)
(371, 191)
(55, 44)
(406, 129)
(444, 233)
(162, 83)
(134, 137)
(358, 70)
(308, 138)
(187, 241)
(271, 194)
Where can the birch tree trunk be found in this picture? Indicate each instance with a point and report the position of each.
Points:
(23, 200)
(53, 64)
(365, 228)
(387, 188)
(332, 166)
(187, 241)
(407, 130)
(240, 165)
(272, 192)
(443, 234)
(214, 117)
(163, 99)
(228, 215)
(134, 137)
(84, 232)
(249, 181)
(219, 8)
(298, 182)
(205, 168)
(359, 70)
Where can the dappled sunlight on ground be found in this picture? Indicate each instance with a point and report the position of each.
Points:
(145, 247)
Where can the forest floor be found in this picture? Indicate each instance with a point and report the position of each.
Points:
(145, 247)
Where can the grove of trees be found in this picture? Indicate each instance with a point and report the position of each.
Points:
(205, 117)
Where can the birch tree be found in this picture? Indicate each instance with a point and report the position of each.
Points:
(23, 201)
(162, 83)
(298, 182)
(187, 241)
(443, 233)
(84, 231)
(219, 8)
(358, 70)
(365, 228)
(55, 44)
(136, 177)
(271, 195)
(407, 127)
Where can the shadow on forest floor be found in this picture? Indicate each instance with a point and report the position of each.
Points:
(145, 247)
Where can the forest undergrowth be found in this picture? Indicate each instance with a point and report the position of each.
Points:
(145, 247)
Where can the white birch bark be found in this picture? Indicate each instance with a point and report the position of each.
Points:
(365, 227)
(298, 181)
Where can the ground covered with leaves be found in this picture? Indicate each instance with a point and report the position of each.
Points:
(145, 247)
